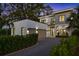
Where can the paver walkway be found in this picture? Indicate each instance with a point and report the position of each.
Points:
(42, 48)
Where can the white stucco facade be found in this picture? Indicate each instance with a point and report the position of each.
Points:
(27, 24)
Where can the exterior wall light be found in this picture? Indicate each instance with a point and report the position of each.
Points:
(36, 32)
(27, 31)
(36, 28)
(71, 18)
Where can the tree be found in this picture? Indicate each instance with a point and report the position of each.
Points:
(74, 19)
(74, 22)
(0, 9)
(30, 10)
(20, 11)
(1, 18)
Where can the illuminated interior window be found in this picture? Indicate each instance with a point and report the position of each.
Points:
(61, 18)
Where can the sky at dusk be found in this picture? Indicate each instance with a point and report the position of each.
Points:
(55, 6)
(61, 6)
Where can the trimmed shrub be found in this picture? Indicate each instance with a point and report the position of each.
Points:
(76, 32)
(72, 41)
(65, 48)
(5, 31)
(12, 43)
(61, 50)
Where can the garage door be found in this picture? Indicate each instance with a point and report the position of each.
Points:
(41, 34)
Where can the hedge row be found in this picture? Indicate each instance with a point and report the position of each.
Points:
(5, 31)
(66, 47)
(12, 43)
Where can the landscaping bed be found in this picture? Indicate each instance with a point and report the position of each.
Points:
(10, 44)
(68, 47)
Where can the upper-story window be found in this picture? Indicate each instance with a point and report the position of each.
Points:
(42, 20)
(61, 18)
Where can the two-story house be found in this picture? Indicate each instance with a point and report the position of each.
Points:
(57, 23)
(51, 25)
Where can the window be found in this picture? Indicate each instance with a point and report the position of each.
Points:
(42, 20)
(61, 18)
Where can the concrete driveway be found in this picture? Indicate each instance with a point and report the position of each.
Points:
(42, 48)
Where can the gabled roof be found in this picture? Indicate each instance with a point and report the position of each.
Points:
(63, 10)
(55, 12)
